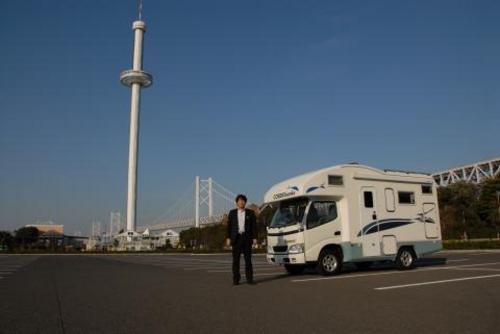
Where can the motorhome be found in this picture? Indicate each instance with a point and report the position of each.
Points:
(352, 213)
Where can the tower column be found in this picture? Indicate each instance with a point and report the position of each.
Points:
(210, 199)
(135, 78)
(197, 201)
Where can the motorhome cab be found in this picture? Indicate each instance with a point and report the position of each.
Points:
(352, 213)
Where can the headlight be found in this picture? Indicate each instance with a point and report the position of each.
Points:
(295, 249)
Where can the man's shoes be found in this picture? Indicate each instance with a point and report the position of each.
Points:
(236, 283)
(252, 282)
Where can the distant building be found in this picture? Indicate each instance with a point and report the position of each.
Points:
(52, 237)
(48, 227)
(172, 236)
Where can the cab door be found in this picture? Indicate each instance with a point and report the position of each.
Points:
(322, 223)
(370, 238)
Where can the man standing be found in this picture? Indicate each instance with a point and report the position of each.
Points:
(241, 234)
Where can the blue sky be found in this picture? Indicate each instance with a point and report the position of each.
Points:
(248, 92)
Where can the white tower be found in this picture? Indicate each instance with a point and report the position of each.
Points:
(135, 78)
(203, 194)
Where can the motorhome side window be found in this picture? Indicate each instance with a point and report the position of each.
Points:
(406, 197)
(426, 189)
(335, 180)
(368, 197)
(321, 212)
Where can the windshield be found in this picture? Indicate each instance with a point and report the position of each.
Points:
(289, 212)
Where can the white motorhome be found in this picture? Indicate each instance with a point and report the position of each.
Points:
(352, 213)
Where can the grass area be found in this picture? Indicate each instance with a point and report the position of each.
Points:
(472, 244)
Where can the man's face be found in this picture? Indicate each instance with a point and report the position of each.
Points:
(241, 204)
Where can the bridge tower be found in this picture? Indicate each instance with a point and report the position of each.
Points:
(203, 195)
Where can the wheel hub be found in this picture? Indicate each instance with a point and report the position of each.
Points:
(406, 258)
(330, 263)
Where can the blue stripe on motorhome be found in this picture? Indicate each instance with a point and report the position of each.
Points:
(385, 224)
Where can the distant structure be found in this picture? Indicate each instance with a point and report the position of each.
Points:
(211, 201)
(96, 230)
(51, 236)
(473, 173)
(115, 223)
(136, 79)
(44, 227)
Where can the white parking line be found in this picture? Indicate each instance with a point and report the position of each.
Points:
(230, 271)
(271, 274)
(350, 276)
(481, 253)
(436, 282)
(477, 268)
(393, 272)
(218, 268)
(470, 265)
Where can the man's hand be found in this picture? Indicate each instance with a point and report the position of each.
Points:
(255, 242)
(228, 242)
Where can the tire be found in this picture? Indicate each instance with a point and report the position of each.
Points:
(405, 259)
(329, 262)
(294, 269)
(363, 265)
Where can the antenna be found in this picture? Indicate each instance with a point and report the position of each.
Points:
(139, 9)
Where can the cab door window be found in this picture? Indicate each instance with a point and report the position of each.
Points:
(321, 212)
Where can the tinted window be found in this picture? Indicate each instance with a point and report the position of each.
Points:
(406, 197)
(290, 212)
(368, 196)
(426, 189)
(321, 212)
(335, 180)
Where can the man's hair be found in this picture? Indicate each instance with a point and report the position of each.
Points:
(241, 196)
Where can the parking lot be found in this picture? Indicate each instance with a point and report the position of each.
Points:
(454, 292)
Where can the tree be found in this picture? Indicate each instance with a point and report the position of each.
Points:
(26, 236)
(6, 240)
(489, 206)
(458, 209)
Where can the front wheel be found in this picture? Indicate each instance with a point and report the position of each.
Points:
(405, 259)
(329, 262)
(294, 269)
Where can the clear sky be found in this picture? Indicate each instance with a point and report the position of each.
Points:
(248, 92)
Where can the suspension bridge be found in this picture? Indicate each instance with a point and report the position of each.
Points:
(203, 202)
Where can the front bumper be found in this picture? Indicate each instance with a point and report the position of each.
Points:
(282, 259)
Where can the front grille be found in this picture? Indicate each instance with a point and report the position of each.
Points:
(280, 249)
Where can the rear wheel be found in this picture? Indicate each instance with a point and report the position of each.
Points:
(405, 259)
(329, 262)
(363, 265)
(294, 269)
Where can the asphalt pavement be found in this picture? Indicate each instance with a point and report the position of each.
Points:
(449, 292)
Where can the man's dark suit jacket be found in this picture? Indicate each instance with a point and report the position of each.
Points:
(250, 225)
